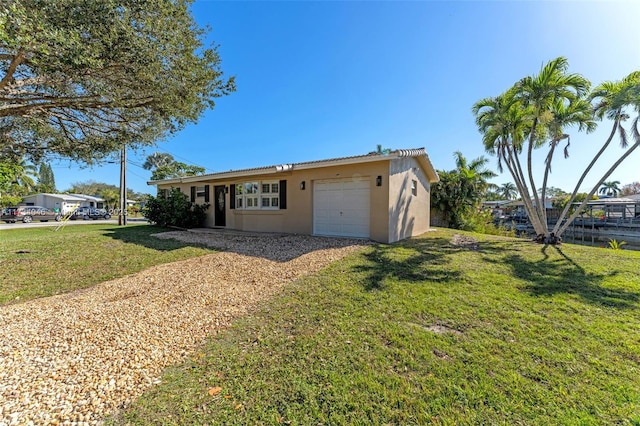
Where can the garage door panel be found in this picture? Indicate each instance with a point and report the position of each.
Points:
(341, 208)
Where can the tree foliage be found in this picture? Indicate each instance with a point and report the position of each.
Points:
(175, 210)
(536, 112)
(164, 166)
(17, 179)
(83, 78)
(630, 189)
(610, 188)
(46, 179)
(8, 173)
(508, 191)
(458, 194)
(92, 187)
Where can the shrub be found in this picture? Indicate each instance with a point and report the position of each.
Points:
(175, 210)
(482, 222)
(616, 245)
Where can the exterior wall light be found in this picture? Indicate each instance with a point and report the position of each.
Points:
(379, 181)
(302, 185)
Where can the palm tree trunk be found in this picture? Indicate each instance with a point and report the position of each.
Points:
(559, 228)
(595, 188)
(518, 176)
(547, 169)
(538, 207)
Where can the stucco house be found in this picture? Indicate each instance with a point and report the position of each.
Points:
(64, 203)
(383, 197)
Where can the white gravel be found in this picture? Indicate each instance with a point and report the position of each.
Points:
(73, 359)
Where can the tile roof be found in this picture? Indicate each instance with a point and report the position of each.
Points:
(354, 159)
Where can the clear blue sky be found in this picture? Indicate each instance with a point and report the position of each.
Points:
(329, 79)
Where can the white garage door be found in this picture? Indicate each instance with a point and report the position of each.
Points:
(341, 208)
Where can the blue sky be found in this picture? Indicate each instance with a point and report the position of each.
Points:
(329, 79)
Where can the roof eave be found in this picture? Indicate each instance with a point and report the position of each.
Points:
(420, 154)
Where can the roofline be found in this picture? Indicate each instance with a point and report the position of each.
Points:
(71, 197)
(419, 153)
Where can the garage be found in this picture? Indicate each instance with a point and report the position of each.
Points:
(341, 208)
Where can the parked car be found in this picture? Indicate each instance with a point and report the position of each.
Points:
(81, 213)
(99, 214)
(87, 213)
(28, 214)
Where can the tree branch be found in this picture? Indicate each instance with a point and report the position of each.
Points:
(17, 60)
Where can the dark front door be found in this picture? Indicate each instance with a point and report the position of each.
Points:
(220, 214)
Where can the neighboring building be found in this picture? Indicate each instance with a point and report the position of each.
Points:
(619, 208)
(91, 201)
(384, 197)
(64, 203)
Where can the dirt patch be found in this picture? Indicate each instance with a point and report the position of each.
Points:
(465, 242)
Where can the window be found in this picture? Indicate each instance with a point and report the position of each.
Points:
(258, 195)
(414, 187)
(200, 191)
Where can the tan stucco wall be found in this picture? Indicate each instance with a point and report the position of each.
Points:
(408, 213)
(298, 216)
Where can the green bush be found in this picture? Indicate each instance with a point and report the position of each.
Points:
(175, 210)
(482, 222)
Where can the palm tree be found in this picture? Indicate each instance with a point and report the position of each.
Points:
(157, 160)
(474, 169)
(111, 197)
(543, 94)
(508, 190)
(610, 188)
(534, 112)
(613, 99)
(24, 178)
(504, 124)
(474, 173)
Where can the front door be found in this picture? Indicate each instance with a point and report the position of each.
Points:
(220, 214)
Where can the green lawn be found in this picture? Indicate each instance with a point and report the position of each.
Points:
(37, 262)
(424, 332)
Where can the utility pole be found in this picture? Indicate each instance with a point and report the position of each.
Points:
(122, 214)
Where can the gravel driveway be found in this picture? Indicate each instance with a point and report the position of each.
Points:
(80, 356)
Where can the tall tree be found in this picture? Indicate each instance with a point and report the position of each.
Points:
(630, 189)
(614, 100)
(46, 179)
(84, 78)
(535, 112)
(459, 192)
(610, 188)
(24, 178)
(164, 166)
(158, 159)
(508, 190)
(475, 169)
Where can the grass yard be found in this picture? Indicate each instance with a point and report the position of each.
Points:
(38, 262)
(426, 332)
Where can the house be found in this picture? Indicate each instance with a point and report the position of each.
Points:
(383, 197)
(517, 209)
(91, 201)
(64, 203)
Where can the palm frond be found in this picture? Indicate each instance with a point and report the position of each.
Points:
(566, 147)
(634, 130)
(624, 142)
